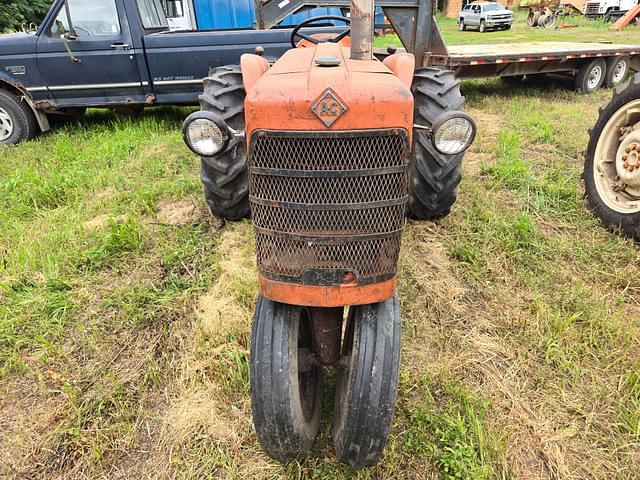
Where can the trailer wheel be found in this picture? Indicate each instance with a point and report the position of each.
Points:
(612, 162)
(225, 177)
(590, 76)
(617, 71)
(17, 122)
(434, 177)
(366, 388)
(286, 385)
(483, 27)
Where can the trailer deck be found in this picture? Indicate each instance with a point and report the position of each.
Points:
(474, 61)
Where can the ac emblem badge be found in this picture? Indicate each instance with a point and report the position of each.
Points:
(329, 108)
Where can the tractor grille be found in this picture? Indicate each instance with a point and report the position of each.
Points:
(326, 204)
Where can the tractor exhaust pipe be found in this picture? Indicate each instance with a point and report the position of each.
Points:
(362, 19)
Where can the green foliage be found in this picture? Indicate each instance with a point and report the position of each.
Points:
(16, 13)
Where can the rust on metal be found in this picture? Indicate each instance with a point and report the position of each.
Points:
(327, 333)
(361, 29)
(326, 296)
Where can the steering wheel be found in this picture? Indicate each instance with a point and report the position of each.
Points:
(89, 33)
(309, 21)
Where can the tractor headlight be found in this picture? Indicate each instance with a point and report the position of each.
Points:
(206, 134)
(453, 133)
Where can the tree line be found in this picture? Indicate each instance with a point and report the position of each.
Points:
(16, 13)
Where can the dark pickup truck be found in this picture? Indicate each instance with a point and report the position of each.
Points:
(106, 53)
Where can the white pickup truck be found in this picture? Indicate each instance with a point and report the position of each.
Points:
(484, 16)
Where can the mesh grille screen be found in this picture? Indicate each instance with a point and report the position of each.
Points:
(328, 202)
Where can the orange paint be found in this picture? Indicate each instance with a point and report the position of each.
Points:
(403, 65)
(253, 67)
(282, 98)
(334, 296)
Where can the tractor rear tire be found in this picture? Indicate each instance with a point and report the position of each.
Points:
(617, 209)
(366, 388)
(434, 177)
(225, 177)
(286, 392)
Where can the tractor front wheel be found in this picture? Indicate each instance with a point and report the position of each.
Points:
(434, 176)
(366, 387)
(225, 177)
(286, 383)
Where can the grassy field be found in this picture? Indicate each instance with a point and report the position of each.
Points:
(125, 311)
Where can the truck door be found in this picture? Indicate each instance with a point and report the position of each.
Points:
(99, 66)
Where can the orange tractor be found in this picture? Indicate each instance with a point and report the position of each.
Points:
(329, 150)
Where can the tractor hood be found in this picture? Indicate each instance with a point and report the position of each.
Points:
(17, 44)
(299, 93)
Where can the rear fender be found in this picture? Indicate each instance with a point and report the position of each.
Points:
(19, 89)
(253, 67)
(403, 66)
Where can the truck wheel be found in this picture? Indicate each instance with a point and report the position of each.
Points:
(225, 177)
(483, 27)
(461, 26)
(366, 388)
(617, 71)
(590, 76)
(434, 177)
(286, 386)
(612, 162)
(17, 122)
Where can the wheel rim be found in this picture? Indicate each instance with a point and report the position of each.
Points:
(619, 71)
(595, 77)
(6, 125)
(307, 377)
(616, 161)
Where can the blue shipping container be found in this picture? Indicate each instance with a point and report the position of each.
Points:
(235, 14)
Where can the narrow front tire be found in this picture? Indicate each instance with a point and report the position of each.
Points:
(366, 388)
(286, 386)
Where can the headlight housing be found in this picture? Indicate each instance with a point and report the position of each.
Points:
(453, 133)
(206, 133)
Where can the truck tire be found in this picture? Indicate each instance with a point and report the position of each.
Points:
(615, 200)
(461, 26)
(434, 177)
(617, 71)
(483, 27)
(225, 177)
(590, 76)
(17, 122)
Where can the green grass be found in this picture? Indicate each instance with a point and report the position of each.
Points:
(577, 29)
(124, 336)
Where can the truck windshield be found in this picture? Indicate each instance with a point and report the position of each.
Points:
(492, 6)
(152, 15)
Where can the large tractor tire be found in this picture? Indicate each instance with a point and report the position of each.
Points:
(17, 122)
(612, 162)
(286, 385)
(225, 177)
(366, 388)
(434, 176)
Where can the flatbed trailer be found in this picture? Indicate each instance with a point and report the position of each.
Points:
(505, 60)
